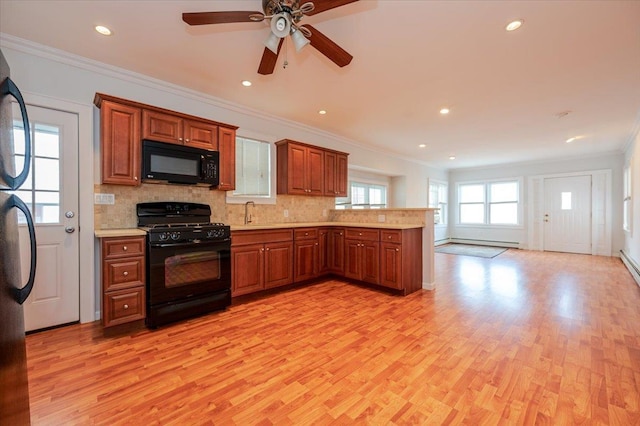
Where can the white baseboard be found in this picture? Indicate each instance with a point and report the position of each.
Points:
(428, 286)
(633, 268)
(509, 244)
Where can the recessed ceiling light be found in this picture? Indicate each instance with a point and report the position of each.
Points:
(246, 83)
(444, 111)
(422, 145)
(573, 139)
(452, 157)
(514, 25)
(103, 30)
(322, 112)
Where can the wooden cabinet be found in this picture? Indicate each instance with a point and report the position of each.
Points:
(176, 129)
(261, 260)
(401, 259)
(335, 250)
(335, 174)
(121, 144)
(324, 253)
(124, 123)
(302, 169)
(306, 254)
(362, 254)
(123, 280)
(227, 148)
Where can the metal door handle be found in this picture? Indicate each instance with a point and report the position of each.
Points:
(69, 229)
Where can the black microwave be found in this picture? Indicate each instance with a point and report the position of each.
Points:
(165, 162)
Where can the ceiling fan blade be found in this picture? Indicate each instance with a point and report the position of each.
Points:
(328, 48)
(204, 18)
(268, 61)
(322, 5)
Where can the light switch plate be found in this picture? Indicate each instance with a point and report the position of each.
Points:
(104, 199)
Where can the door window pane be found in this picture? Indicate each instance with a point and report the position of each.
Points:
(565, 201)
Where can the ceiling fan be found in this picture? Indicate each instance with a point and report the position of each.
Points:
(285, 16)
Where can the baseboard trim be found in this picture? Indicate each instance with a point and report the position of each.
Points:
(632, 266)
(509, 244)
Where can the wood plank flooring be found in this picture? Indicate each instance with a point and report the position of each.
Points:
(524, 338)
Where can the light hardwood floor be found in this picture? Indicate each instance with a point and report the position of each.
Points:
(524, 338)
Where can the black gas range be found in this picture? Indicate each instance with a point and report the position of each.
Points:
(188, 261)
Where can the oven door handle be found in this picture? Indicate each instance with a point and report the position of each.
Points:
(200, 243)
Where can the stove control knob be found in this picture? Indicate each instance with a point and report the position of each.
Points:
(175, 235)
(211, 233)
(164, 236)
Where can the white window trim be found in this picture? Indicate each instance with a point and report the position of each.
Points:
(370, 182)
(627, 198)
(446, 215)
(241, 199)
(486, 224)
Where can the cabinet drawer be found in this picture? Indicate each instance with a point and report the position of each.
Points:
(305, 233)
(362, 234)
(391, 236)
(260, 237)
(123, 273)
(123, 306)
(122, 247)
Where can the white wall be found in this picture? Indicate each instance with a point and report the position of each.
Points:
(611, 161)
(632, 239)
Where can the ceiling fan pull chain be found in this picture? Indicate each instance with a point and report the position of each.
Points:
(286, 54)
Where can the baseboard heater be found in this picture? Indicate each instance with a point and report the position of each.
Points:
(631, 265)
(509, 244)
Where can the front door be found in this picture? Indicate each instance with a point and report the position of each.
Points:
(567, 214)
(51, 192)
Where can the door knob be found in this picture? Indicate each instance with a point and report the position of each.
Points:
(69, 229)
(69, 214)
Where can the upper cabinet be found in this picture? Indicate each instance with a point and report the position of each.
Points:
(227, 148)
(171, 128)
(120, 126)
(124, 123)
(309, 170)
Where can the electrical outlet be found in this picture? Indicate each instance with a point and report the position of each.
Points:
(104, 199)
(381, 218)
(286, 213)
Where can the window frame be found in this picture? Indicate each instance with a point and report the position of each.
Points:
(443, 206)
(487, 204)
(627, 202)
(348, 204)
(231, 198)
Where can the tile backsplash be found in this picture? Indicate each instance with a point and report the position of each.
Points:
(122, 214)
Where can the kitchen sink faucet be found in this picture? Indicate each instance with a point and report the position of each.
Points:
(247, 216)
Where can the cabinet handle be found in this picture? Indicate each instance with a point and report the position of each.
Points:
(125, 248)
(125, 273)
(126, 306)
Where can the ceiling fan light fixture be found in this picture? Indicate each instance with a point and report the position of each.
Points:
(299, 40)
(272, 42)
(281, 25)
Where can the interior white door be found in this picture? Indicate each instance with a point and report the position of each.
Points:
(51, 192)
(567, 214)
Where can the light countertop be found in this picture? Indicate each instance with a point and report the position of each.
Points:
(124, 232)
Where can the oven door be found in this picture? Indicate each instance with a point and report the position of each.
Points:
(180, 271)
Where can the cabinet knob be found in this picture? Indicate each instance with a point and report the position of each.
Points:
(389, 236)
(306, 233)
(341, 234)
(125, 273)
(316, 243)
(125, 248)
(126, 306)
(360, 233)
(268, 249)
(135, 178)
(186, 140)
(180, 139)
(262, 249)
(397, 249)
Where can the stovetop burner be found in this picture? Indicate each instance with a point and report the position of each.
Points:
(177, 222)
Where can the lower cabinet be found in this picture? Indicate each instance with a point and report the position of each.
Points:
(261, 260)
(362, 254)
(123, 280)
(264, 259)
(306, 257)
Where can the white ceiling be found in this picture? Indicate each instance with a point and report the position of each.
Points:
(411, 58)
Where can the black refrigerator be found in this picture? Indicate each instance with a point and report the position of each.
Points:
(14, 290)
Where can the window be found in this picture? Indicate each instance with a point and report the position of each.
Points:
(363, 196)
(490, 203)
(41, 191)
(253, 168)
(438, 200)
(626, 203)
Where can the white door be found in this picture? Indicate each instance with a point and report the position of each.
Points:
(51, 192)
(567, 214)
